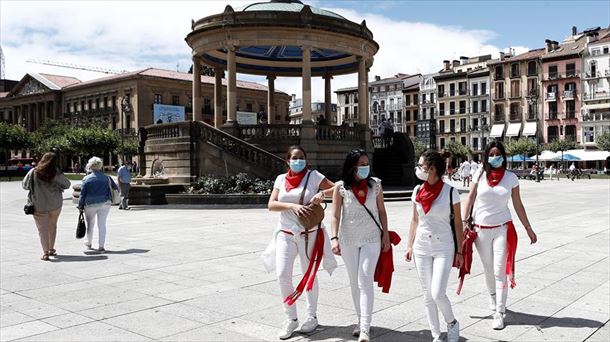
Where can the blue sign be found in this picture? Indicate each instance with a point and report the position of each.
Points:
(166, 113)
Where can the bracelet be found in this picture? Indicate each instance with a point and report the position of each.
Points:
(334, 238)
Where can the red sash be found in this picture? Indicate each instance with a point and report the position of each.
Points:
(310, 275)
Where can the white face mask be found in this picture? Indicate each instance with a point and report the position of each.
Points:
(421, 174)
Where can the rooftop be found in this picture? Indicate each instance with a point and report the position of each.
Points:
(287, 6)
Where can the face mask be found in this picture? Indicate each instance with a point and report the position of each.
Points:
(421, 174)
(495, 162)
(297, 165)
(363, 171)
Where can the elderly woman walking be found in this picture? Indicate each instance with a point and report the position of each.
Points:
(96, 199)
(46, 183)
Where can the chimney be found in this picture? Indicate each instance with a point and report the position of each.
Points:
(574, 31)
(502, 55)
(377, 78)
(555, 44)
(294, 97)
(463, 60)
(445, 65)
(548, 45)
(456, 63)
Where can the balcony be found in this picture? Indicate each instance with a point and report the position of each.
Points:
(499, 96)
(440, 94)
(569, 115)
(550, 97)
(462, 92)
(515, 95)
(569, 94)
(515, 117)
(551, 76)
(603, 116)
(596, 96)
(572, 73)
(551, 116)
(592, 75)
(531, 117)
(557, 75)
(499, 118)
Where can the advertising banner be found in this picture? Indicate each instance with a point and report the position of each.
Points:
(167, 113)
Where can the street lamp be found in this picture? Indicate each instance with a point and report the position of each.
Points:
(125, 107)
(532, 99)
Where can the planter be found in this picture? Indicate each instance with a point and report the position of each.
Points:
(223, 200)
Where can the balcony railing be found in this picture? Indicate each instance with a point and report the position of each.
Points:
(552, 116)
(558, 75)
(499, 118)
(568, 115)
(596, 96)
(601, 116)
(515, 117)
(462, 92)
(551, 97)
(530, 117)
(569, 94)
(499, 96)
(515, 95)
(591, 74)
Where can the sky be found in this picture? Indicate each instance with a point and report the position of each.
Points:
(414, 36)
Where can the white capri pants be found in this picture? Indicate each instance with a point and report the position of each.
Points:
(101, 212)
(360, 262)
(433, 270)
(287, 247)
(491, 245)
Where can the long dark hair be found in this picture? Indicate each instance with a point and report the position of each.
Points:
(434, 158)
(490, 145)
(292, 148)
(47, 167)
(348, 168)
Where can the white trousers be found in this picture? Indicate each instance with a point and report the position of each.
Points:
(287, 247)
(433, 270)
(360, 262)
(101, 213)
(491, 245)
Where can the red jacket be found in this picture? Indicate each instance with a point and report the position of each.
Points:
(469, 237)
(385, 265)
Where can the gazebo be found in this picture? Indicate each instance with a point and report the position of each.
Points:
(279, 38)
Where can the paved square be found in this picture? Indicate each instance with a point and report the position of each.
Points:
(188, 274)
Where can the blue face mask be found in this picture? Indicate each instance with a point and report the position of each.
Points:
(363, 171)
(297, 165)
(495, 162)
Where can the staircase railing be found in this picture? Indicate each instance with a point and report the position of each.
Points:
(252, 154)
(281, 131)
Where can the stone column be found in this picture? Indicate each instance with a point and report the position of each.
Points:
(231, 86)
(306, 84)
(271, 99)
(362, 91)
(327, 98)
(218, 74)
(197, 115)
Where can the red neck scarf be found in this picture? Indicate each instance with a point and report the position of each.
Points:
(428, 193)
(494, 176)
(361, 190)
(294, 179)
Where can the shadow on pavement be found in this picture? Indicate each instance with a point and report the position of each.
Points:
(77, 258)
(125, 251)
(543, 322)
(378, 334)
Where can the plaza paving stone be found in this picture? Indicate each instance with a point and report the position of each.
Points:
(181, 273)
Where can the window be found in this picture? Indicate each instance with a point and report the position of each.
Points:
(431, 97)
(97, 103)
(432, 113)
(451, 108)
(462, 88)
(89, 107)
(475, 106)
(499, 72)
(158, 99)
(415, 115)
(483, 88)
(475, 89)
(463, 140)
(499, 113)
(515, 110)
(207, 106)
(441, 109)
(593, 69)
(484, 106)
(452, 126)
(595, 52)
(515, 89)
(415, 99)
(589, 134)
(532, 86)
(441, 126)
(407, 100)
(553, 72)
(552, 110)
(175, 100)
(475, 124)
(570, 109)
(399, 117)
(463, 127)
(105, 102)
(442, 143)
(475, 143)
(452, 89)
(441, 90)
(355, 111)
(462, 107)
(355, 98)
(408, 115)
(514, 70)
(423, 98)
(347, 96)
(570, 69)
(532, 68)
(114, 102)
(499, 90)
(605, 50)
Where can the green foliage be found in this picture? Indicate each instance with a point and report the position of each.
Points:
(457, 149)
(14, 137)
(561, 145)
(521, 146)
(238, 184)
(130, 147)
(603, 141)
(419, 148)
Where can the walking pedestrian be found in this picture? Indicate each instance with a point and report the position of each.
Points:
(46, 183)
(124, 178)
(95, 200)
(490, 217)
(434, 243)
(465, 173)
(292, 191)
(358, 214)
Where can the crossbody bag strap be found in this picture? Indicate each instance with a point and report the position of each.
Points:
(31, 192)
(373, 217)
(304, 188)
(471, 209)
(452, 218)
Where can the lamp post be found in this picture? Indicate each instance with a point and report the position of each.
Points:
(532, 99)
(125, 107)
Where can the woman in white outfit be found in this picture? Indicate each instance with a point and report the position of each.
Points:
(289, 238)
(496, 240)
(432, 243)
(356, 236)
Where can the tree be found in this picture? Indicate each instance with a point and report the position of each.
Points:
(522, 146)
(14, 137)
(130, 147)
(52, 136)
(419, 148)
(561, 145)
(603, 141)
(93, 141)
(457, 149)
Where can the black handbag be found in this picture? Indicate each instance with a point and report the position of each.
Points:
(81, 227)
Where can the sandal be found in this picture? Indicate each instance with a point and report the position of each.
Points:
(52, 252)
(45, 257)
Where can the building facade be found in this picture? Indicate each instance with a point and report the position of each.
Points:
(425, 130)
(596, 87)
(317, 112)
(411, 100)
(386, 102)
(478, 109)
(347, 106)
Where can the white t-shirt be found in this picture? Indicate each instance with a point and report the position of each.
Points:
(288, 219)
(434, 228)
(465, 169)
(357, 226)
(473, 168)
(491, 204)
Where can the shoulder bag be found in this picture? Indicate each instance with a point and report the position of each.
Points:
(115, 195)
(316, 212)
(29, 208)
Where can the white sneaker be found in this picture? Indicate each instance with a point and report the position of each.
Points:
(438, 339)
(364, 336)
(498, 321)
(289, 327)
(356, 331)
(492, 302)
(310, 325)
(453, 331)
